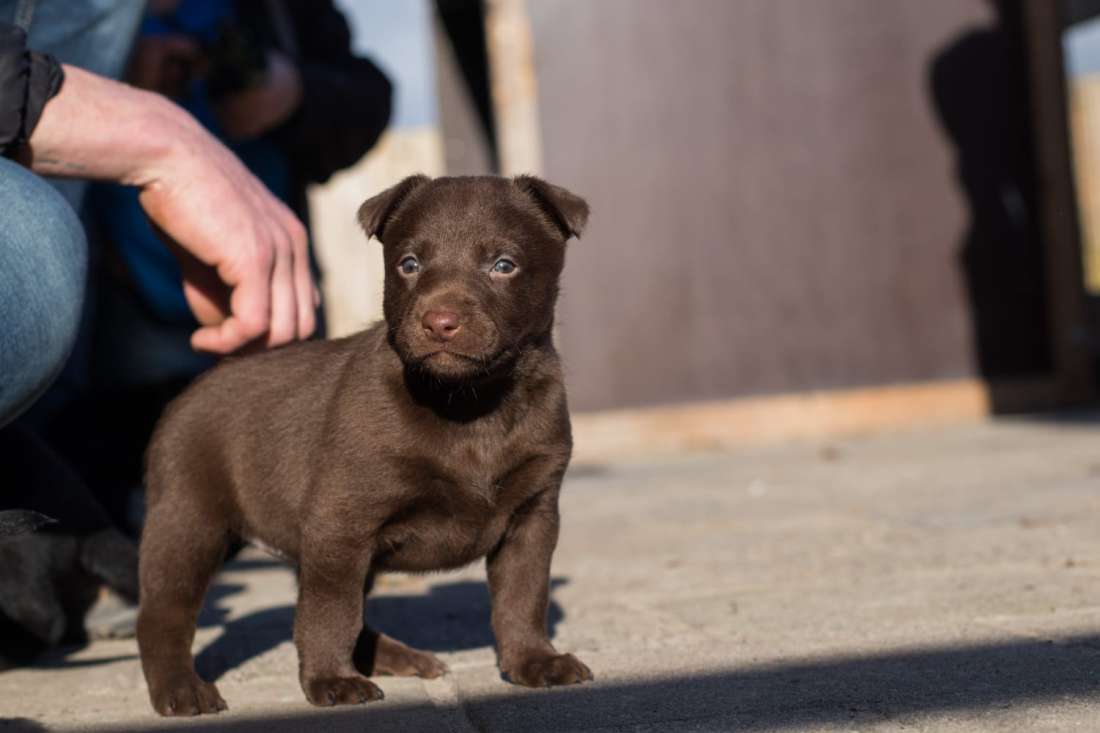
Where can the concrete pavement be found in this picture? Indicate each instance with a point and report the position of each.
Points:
(930, 581)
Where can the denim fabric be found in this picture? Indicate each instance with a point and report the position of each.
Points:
(43, 250)
(93, 34)
(43, 264)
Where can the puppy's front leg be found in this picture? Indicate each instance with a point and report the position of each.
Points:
(327, 623)
(519, 580)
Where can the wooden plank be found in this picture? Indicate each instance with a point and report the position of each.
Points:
(514, 87)
(729, 424)
(1069, 320)
(1084, 94)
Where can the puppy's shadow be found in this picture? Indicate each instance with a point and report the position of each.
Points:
(449, 617)
(213, 612)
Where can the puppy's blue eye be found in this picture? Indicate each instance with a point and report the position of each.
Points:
(409, 266)
(504, 266)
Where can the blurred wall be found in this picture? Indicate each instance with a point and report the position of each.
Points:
(775, 204)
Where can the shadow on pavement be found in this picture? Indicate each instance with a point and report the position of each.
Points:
(836, 691)
(1083, 416)
(20, 725)
(450, 617)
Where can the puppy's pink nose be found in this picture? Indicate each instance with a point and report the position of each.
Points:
(441, 325)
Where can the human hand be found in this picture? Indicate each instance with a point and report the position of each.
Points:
(243, 253)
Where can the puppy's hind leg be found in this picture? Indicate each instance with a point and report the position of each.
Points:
(378, 654)
(181, 550)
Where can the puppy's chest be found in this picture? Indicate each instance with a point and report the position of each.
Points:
(457, 512)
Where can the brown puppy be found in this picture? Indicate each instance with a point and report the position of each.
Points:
(428, 441)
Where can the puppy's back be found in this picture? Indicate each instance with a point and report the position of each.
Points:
(249, 416)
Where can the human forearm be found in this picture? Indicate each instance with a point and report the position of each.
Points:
(104, 130)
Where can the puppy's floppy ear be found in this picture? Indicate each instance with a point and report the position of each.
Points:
(377, 211)
(567, 211)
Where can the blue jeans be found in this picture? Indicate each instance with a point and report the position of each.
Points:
(43, 268)
(43, 250)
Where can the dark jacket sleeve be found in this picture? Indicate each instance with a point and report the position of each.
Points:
(27, 81)
(346, 98)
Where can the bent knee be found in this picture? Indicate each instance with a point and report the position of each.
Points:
(43, 271)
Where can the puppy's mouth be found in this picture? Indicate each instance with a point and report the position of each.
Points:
(450, 356)
(447, 355)
(448, 362)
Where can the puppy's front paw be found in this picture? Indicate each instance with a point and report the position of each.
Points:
(547, 670)
(185, 696)
(341, 690)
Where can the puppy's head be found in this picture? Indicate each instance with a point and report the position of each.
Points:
(472, 267)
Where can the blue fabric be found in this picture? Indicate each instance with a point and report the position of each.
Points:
(197, 18)
(43, 267)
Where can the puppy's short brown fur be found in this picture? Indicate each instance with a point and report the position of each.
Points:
(430, 440)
